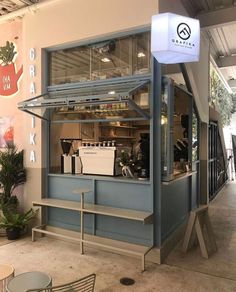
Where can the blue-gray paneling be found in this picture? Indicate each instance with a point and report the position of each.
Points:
(62, 188)
(118, 193)
(195, 198)
(68, 219)
(174, 205)
(122, 229)
(195, 189)
(124, 195)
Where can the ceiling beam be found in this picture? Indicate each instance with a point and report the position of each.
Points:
(189, 7)
(226, 61)
(218, 17)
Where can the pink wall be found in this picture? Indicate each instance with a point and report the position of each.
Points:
(12, 32)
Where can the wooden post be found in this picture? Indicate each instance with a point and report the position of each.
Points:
(199, 219)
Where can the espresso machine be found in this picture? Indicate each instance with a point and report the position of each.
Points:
(143, 157)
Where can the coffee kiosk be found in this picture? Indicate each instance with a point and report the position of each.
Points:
(114, 100)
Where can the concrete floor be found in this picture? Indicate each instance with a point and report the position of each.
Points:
(182, 272)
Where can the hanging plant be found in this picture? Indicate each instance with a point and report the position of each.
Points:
(220, 97)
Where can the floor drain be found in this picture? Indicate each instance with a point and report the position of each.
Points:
(127, 281)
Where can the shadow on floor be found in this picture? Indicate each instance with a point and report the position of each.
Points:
(222, 212)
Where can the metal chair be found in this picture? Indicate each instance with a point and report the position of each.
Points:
(85, 284)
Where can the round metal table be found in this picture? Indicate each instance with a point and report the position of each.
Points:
(6, 272)
(29, 280)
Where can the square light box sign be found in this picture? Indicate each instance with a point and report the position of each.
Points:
(175, 38)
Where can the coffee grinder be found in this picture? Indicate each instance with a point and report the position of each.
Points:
(66, 157)
(143, 157)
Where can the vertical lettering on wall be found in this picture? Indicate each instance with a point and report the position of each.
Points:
(32, 156)
(32, 140)
(32, 54)
(32, 89)
(33, 122)
(32, 70)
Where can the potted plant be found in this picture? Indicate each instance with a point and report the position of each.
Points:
(15, 222)
(12, 174)
(126, 164)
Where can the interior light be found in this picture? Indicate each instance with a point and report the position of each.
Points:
(141, 55)
(163, 120)
(111, 92)
(105, 60)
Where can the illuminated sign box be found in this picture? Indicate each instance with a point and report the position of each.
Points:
(175, 38)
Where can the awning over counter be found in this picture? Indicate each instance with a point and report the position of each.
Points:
(121, 98)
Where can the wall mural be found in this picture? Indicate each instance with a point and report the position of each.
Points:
(6, 131)
(9, 77)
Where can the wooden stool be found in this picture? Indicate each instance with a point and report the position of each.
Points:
(6, 273)
(199, 219)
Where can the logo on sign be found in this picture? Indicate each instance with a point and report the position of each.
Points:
(175, 38)
(183, 31)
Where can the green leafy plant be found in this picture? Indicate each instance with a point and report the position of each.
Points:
(7, 53)
(125, 159)
(12, 174)
(12, 220)
(220, 97)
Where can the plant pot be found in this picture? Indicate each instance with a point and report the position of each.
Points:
(13, 233)
(126, 171)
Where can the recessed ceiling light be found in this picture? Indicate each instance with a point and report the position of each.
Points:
(111, 92)
(141, 55)
(105, 60)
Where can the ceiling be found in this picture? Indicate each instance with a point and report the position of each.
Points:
(218, 23)
(8, 6)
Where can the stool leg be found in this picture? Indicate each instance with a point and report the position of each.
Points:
(3, 285)
(5, 281)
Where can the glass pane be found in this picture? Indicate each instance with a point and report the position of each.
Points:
(164, 130)
(181, 131)
(195, 131)
(104, 60)
(111, 107)
(141, 53)
(116, 100)
(111, 59)
(69, 65)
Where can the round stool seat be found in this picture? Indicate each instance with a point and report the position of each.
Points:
(29, 280)
(6, 272)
